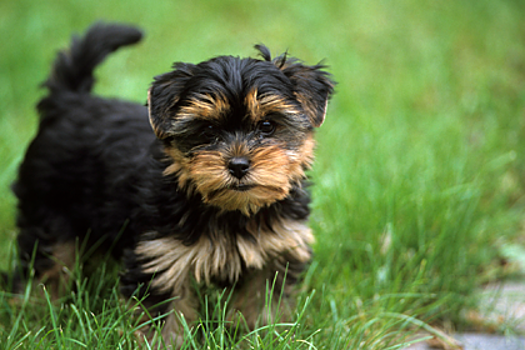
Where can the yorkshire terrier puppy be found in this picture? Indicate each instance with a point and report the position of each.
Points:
(215, 195)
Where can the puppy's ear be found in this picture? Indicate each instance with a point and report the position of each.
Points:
(313, 86)
(163, 97)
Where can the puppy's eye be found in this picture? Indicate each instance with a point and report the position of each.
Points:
(209, 131)
(266, 127)
(169, 140)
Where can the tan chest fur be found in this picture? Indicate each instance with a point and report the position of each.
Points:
(223, 256)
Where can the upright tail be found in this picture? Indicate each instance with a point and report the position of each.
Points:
(73, 69)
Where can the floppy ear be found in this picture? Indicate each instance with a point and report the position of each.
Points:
(313, 87)
(163, 97)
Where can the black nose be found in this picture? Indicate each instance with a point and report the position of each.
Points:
(238, 166)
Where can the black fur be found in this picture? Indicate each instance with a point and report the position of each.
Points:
(81, 174)
(94, 171)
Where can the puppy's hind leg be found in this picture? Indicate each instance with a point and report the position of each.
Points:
(48, 261)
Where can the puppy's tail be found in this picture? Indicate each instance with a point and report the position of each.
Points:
(73, 69)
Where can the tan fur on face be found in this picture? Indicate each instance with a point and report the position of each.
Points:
(260, 106)
(205, 106)
(223, 256)
(273, 172)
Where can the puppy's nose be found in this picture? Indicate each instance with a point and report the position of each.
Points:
(238, 166)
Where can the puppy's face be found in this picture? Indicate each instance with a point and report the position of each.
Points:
(239, 131)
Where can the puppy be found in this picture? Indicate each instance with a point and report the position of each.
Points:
(212, 191)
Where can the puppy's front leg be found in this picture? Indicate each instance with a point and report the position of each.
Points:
(184, 307)
(264, 296)
(158, 274)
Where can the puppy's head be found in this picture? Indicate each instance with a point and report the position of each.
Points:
(239, 131)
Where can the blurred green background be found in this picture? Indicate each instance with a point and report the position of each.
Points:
(419, 177)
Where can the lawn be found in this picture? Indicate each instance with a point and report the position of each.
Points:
(419, 179)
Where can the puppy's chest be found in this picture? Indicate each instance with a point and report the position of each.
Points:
(223, 256)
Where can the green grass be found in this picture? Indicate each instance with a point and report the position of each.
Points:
(419, 178)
